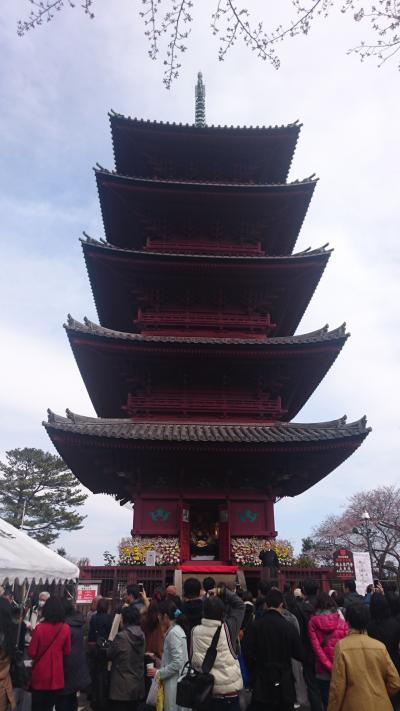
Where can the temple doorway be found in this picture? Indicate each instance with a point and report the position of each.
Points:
(204, 530)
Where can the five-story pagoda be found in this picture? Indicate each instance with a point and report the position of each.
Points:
(194, 371)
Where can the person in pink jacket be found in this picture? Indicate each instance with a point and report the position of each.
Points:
(325, 628)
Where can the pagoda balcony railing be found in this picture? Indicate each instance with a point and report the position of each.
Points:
(204, 319)
(204, 403)
(204, 247)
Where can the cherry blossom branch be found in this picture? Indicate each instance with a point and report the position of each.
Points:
(45, 10)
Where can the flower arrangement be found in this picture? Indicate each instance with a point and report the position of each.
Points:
(132, 551)
(246, 550)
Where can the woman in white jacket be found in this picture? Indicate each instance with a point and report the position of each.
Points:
(226, 669)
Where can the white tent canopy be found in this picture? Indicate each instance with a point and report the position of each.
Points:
(23, 558)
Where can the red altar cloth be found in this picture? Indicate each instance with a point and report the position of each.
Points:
(204, 568)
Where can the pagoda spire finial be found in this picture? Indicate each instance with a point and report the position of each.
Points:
(200, 105)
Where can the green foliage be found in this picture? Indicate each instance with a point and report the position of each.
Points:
(307, 544)
(305, 561)
(38, 490)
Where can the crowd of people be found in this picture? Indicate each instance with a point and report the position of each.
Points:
(275, 651)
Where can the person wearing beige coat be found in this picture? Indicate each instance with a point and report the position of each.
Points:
(363, 676)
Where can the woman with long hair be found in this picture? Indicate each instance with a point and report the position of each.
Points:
(325, 628)
(51, 641)
(99, 630)
(76, 672)
(175, 654)
(7, 698)
(152, 630)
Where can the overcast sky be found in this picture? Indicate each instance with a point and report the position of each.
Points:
(57, 85)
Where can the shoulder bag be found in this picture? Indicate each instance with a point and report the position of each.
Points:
(194, 689)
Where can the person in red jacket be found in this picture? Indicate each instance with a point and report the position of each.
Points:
(51, 640)
(325, 628)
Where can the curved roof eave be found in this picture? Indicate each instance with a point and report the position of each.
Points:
(100, 171)
(306, 255)
(147, 123)
(321, 335)
(285, 433)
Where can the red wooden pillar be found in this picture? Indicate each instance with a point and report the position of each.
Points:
(269, 515)
(184, 516)
(224, 533)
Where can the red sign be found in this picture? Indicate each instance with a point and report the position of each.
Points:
(86, 593)
(343, 563)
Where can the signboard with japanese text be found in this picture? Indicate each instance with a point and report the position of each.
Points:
(343, 564)
(362, 571)
(86, 593)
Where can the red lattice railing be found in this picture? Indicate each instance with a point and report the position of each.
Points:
(204, 403)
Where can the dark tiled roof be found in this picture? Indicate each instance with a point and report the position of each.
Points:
(322, 335)
(251, 187)
(283, 433)
(143, 123)
(298, 256)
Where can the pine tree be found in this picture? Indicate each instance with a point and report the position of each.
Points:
(40, 494)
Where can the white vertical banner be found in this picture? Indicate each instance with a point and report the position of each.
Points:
(362, 571)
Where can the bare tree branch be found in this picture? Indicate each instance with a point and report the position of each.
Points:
(230, 21)
(45, 11)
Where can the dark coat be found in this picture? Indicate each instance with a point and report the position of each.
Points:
(269, 559)
(269, 645)
(76, 671)
(193, 611)
(352, 598)
(306, 609)
(388, 632)
(99, 626)
(127, 670)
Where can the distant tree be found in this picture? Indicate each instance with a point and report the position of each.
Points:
(352, 531)
(39, 494)
(62, 552)
(170, 20)
(83, 562)
(307, 557)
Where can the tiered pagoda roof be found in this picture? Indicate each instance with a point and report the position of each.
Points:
(199, 295)
(290, 368)
(148, 213)
(153, 148)
(119, 276)
(285, 458)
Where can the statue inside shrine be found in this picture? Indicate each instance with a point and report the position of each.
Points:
(204, 535)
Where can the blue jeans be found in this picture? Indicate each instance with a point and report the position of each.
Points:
(324, 685)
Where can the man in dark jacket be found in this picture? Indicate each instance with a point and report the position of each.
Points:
(135, 597)
(192, 606)
(127, 655)
(351, 596)
(306, 608)
(268, 647)
(269, 559)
